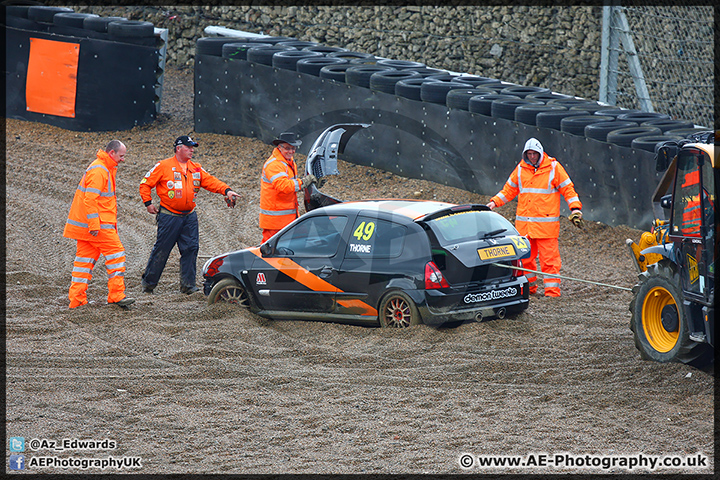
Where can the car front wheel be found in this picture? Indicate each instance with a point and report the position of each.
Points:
(229, 290)
(397, 310)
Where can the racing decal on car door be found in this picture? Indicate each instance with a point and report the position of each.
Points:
(313, 282)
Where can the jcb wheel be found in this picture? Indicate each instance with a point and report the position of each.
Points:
(397, 310)
(658, 320)
(229, 290)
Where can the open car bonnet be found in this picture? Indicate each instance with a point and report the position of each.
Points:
(322, 160)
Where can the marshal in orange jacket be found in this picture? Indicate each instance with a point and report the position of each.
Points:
(177, 189)
(538, 191)
(278, 192)
(94, 206)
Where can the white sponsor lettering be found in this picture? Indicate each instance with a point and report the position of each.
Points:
(359, 248)
(491, 295)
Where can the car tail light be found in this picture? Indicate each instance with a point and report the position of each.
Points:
(213, 267)
(433, 278)
(517, 273)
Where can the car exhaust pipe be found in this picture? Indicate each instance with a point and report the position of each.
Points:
(479, 317)
(501, 312)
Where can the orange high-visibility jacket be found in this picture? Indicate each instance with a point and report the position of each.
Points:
(538, 191)
(177, 189)
(94, 205)
(278, 192)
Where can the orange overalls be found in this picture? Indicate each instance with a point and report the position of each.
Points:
(94, 208)
(278, 194)
(538, 214)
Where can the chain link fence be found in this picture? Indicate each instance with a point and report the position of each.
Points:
(675, 48)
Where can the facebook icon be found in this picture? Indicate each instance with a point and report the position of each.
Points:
(17, 462)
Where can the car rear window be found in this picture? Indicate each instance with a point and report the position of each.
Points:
(458, 227)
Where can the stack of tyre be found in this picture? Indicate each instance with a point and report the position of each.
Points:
(480, 95)
(65, 21)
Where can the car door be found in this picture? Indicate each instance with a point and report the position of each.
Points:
(299, 274)
(372, 260)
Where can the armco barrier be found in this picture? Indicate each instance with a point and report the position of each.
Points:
(417, 139)
(81, 79)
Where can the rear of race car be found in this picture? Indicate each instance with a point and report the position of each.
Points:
(463, 281)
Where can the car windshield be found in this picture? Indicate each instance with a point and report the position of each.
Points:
(458, 227)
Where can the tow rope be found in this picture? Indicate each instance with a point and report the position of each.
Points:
(561, 276)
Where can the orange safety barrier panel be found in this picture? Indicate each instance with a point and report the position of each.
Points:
(52, 77)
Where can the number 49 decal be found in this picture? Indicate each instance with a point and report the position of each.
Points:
(364, 231)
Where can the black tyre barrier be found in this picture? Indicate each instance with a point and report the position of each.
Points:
(613, 111)
(75, 20)
(435, 91)
(505, 108)
(599, 131)
(523, 92)
(349, 55)
(552, 119)
(575, 102)
(213, 45)
(546, 97)
(313, 65)
(427, 72)
(640, 117)
(685, 132)
(23, 23)
(668, 124)
(590, 107)
(73, 81)
(132, 29)
(272, 40)
(400, 64)
(625, 136)
(44, 14)
(576, 125)
(446, 77)
(264, 55)
(475, 80)
(17, 10)
(409, 88)
(416, 139)
(482, 104)
(335, 72)
(100, 24)
(650, 142)
(528, 113)
(459, 97)
(238, 51)
(385, 81)
(299, 44)
(288, 59)
(324, 49)
(360, 74)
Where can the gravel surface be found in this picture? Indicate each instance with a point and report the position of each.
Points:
(192, 388)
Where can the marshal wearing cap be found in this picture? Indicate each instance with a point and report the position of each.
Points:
(289, 138)
(185, 140)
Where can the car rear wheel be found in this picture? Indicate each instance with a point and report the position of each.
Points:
(397, 310)
(229, 290)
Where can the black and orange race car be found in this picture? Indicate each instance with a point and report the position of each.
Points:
(393, 263)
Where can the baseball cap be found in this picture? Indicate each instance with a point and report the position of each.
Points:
(185, 140)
